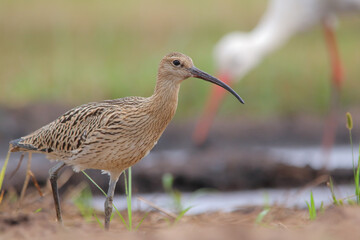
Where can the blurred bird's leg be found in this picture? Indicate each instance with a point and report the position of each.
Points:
(334, 55)
(205, 121)
(336, 83)
(18, 166)
(54, 171)
(109, 198)
(27, 179)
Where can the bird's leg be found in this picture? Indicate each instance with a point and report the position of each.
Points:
(336, 64)
(27, 179)
(18, 166)
(202, 127)
(109, 199)
(337, 79)
(53, 180)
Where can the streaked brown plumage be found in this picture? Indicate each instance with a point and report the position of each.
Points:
(113, 135)
(109, 135)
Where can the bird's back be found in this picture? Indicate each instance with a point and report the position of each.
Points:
(99, 130)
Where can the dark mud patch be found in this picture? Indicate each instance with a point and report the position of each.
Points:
(227, 162)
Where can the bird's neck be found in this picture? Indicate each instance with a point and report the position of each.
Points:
(165, 98)
(271, 33)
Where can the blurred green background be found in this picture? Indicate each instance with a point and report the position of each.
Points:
(75, 51)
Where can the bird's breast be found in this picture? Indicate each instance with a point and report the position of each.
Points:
(123, 142)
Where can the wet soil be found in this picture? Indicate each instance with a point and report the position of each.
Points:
(226, 162)
(280, 223)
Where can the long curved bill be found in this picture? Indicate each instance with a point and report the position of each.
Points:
(197, 73)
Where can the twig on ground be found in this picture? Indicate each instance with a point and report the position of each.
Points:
(151, 204)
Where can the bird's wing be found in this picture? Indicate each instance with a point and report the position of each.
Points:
(70, 130)
(288, 17)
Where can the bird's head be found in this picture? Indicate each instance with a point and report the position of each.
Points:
(176, 67)
(235, 55)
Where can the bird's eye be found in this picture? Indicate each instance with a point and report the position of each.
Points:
(176, 62)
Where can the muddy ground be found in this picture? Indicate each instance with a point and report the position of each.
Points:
(280, 223)
(226, 162)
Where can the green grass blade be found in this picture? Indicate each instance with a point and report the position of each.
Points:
(352, 151)
(309, 208)
(128, 197)
(181, 214)
(3, 170)
(94, 183)
(357, 179)
(331, 186)
(38, 210)
(322, 208)
(98, 220)
(112, 216)
(126, 185)
(121, 217)
(313, 208)
(261, 215)
(167, 182)
(83, 203)
(349, 125)
(117, 211)
(141, 221)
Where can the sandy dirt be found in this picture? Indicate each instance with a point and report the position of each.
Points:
(279, 223)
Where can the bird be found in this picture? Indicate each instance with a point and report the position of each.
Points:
(113, 135)
(237, 53)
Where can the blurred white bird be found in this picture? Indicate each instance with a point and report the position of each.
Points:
(237, 53)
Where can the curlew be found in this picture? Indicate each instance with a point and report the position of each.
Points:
(113, 135)
(238, 53)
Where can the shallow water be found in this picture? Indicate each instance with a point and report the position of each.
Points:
(315, 157)
(231, 201)
(338, 157)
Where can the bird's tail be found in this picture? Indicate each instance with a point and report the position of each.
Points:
(17, 146)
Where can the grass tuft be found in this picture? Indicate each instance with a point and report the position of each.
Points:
(83, 202)
(168, 182)
(141, 221)
(2, 175)
(117, 211)
(330, 184)
(349, 125)
(357, 179)
(265, 211)
(128, 192)
(181, 214)
(261, 215)
(311, 207)
(356, 170)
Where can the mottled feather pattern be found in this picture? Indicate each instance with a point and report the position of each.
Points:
(108, 135)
